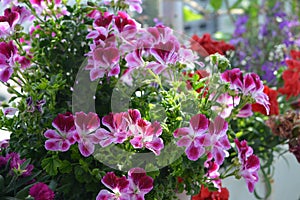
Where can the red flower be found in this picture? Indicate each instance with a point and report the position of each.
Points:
(41, 191)
(295, 54)
(205, 194)
(205, 46)
(274, 109)
(291, 77)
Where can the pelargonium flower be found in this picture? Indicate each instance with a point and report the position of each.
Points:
(139, 183)
(249, 163)
(86, 124)
(41, 5)
(105, 62)
(205, 46)
(118, 186)
(274, 107)
(117, 126)
(8, 53)
(192, 137)
(41, 191)
(205, 194)
(165, 54)
(134, 5)
(8, 21)
(213, 173)
(148, 136)
(250, 84)
(291, 78)
(216, 140)
(64, 136)
(135, 187)
(4, 144)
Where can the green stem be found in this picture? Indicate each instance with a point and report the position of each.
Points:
(229, 12)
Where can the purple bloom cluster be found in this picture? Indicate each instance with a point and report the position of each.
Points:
(264, 53)
(15, 163)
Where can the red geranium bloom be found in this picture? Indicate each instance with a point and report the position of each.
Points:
(274, 109)
(205, 194)
(205, 46)
(295, 54)
(291, 77)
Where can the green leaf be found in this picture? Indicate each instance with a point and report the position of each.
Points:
(65, 167)
(1, 183)
(51, 164)
(236, 4)
(216, 4)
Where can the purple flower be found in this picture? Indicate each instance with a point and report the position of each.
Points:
(41, 191)
(193, 137)
(139, 183)
(240, 25)
(119, 187)
(249, 163)
(63, 138)
(86, 124)
(216, 140)
(15, 164)
(9, 111)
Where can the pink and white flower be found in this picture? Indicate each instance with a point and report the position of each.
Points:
(135, 187)
(193, 137)
(117, 126)
(216, 141)
(63, 137)
(148, 136)
(86, 125)
(250, 164)
(250, 84)
(118, 186)
(8, 53)
(139, 184)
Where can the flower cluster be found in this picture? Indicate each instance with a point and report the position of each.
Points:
(117, 37)
(9, 59)
(205, 194)
(206, 46)
(276, 30)
(249, 85)
(85, 130)
(134, 187)
(179, 103)
(291, 76)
